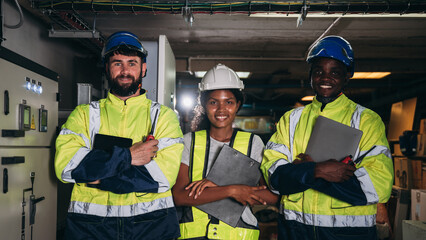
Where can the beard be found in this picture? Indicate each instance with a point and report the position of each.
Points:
(125, 90)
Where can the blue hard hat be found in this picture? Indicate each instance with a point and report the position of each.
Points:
(128, 39)
(333, 47)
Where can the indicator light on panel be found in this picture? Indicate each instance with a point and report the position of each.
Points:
(34, 86)
(39, 88)
(28, 83)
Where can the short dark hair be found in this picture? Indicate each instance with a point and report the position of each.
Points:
(200, 120)
(124, 50)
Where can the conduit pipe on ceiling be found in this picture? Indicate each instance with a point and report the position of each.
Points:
(21, 17)
(238, 7)
(324, 33)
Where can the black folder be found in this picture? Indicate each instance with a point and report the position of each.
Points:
(107, 142)
(332, 140)
(231, 167)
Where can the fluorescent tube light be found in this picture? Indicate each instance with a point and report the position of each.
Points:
(307, 98)
(370, 75)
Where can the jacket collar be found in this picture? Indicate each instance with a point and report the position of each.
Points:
(130, 101)
(338, 103)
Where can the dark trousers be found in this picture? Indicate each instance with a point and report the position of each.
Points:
(158, 225)
(292, 230)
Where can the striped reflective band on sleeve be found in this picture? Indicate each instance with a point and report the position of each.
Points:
(166, 142)
(378, 150)
(94, 120)
(153, 168)
(154, 114)
(281, 148)
(330, 220)
(294, 120)
(121, 210)
(355, 122)
(272, 169)
(77, 158)
(365, 180)
(158, 176)
(367, 186)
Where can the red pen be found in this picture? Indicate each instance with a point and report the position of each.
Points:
(151, 133)
(348, 160)
(149, 137)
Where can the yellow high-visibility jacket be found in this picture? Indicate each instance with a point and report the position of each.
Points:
(312, 207)
(132, 119)
(196, 224)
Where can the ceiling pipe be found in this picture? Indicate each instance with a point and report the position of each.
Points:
(324, 33)
(248, 8)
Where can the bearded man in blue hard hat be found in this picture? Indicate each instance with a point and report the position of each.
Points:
(122, 154)
(330, 199)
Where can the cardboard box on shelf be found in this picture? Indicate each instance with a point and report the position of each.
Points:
(399, 209)
(423, 175)
(413, 230)
(403, 172)
(422, 128)
(421, 144)
(418, 204)
(397, 149)
(416, 166)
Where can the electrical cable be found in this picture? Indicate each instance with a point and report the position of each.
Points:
(21, 18)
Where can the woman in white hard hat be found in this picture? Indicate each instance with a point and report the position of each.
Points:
(220, 99)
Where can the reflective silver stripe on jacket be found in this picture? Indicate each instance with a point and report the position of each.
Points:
(166, 142)
(154, 114)
(120, 210)
(355, 122)
(367, 186)
(77, 158)
(364, 179)
(294, 120)
(94, 120)
(153, 168)
(281, 148)
(377, 151)
(272, 169)
(330, 220)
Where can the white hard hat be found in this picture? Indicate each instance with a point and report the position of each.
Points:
(220, 77)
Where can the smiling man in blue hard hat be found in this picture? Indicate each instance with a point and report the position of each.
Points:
(122, 181)
(331, 199)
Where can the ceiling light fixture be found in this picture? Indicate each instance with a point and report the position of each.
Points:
(307, 98)
(370, 75)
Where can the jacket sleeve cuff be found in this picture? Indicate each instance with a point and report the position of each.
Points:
(293, 178)
(99, 164)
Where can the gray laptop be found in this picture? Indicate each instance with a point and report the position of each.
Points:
(332, 140)
(231, 167)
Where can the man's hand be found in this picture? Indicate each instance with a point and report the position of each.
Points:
(143, 152)
(334, 171)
